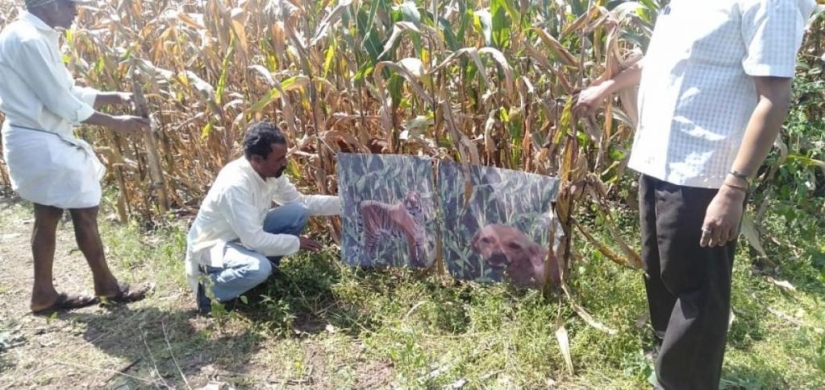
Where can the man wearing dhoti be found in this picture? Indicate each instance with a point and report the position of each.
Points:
(47, 164)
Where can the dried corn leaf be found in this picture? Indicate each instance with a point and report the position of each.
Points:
(564, 342)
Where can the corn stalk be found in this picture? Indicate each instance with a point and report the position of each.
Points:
(157, 185)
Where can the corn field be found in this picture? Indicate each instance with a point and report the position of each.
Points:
(479, 82)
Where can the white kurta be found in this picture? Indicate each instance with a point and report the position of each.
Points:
(235, 209)
(47, 164)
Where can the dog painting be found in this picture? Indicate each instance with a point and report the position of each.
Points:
(508, 249)
(496, 224)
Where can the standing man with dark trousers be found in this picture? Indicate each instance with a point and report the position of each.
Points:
(715, 86)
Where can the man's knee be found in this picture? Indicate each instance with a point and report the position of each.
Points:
(301, 214)
(47, 214)
(84, 216)
(297, 214)
(258, 271)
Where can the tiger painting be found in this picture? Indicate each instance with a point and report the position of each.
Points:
(402, 220)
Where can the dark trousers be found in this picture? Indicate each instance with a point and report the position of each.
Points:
(688, 287)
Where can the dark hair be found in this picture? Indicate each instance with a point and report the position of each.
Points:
(259, 139)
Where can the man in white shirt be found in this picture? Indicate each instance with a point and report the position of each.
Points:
(715, 87)
(47, 165)
(237, 237)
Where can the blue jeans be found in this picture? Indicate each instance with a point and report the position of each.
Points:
(243, 269)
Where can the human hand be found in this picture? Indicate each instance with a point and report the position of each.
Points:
(590, 99)
(310, 244)
(127, 125)
(125, 98)
(722, 217)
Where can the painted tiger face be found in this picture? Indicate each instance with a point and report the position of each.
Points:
(412, 202)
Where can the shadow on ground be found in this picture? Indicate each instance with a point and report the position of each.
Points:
(161, 348)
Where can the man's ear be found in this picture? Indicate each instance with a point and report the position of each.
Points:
(256, 160)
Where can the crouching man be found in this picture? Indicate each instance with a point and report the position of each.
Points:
(237, 238)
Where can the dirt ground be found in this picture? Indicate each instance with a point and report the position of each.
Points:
(157, 343)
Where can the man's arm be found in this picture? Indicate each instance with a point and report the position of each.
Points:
(60, 99)
(236, 207)
(772, 32)
(765, 123)
(123, 124)
(725, 211)
(324, 205)
(112, 99)
(591, 98)
(317, 204)
(98, 99)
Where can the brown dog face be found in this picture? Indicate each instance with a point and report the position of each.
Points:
(505, 247)
(500, 245)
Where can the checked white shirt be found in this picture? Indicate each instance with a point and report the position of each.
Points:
(697, 93)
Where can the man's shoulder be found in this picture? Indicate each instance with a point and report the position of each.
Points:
(233, 169)
(11, 32)
(20, 30)
(230, 176)
(19, 35)
(805, 7)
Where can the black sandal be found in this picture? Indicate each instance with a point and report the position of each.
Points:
(67, 302)
(126, 294)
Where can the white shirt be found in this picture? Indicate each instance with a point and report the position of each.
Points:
(50, 166)
(697, 93)
(36, 89)
(235, 209)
